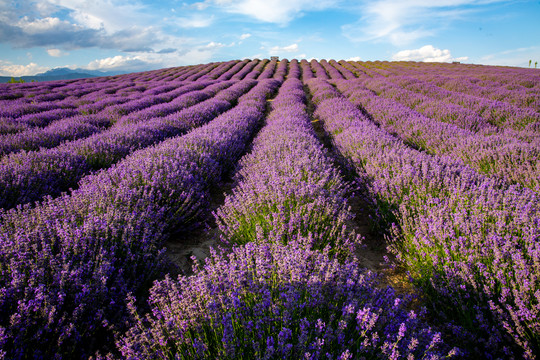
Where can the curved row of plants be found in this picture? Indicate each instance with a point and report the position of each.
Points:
(68, 264)
(498, 154)
(470, 242)
(28, 176)
(98, 110)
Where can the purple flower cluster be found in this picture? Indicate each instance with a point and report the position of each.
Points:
(334, 73)
(306, 70)
(12, 109)
(245, 70)
(281, 70)
(495, 112)
(284, 293)
(515, 86)
(218, 70)
(347, 73)
(183, 97)
(68, 129)
(257, 70)
(227, 75)
(295, 72)
(471, 242)
(446, 156)
(268, 70)
(318, 70)
(432, 108)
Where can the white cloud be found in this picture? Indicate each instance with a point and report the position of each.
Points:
(110, 15)
(194, 22)
(39, 26)
(213, 45)
(67, 34)
(354, 58)
(117, 62)
(402, 22)
(278, 49)
(274, 11)
(76, 24)
(245, 36)
(56, 53)
(144, 61)
(426, 53)
(9, 69)
(199, 5)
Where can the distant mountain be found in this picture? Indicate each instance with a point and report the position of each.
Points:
(62, 74)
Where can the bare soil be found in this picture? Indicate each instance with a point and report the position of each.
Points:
(197, 243)
(373, 255)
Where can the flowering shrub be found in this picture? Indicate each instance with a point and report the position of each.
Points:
(276, 301)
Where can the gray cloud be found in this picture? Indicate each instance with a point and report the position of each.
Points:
(53, 32)
(166, 51)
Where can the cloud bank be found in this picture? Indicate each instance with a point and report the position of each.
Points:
(426, 53)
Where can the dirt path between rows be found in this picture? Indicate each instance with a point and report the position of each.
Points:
(374, 255)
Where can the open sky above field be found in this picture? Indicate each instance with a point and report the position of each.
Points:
(119, 35)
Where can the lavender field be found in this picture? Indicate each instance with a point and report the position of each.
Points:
(265, 209)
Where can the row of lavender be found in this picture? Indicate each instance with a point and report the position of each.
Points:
(491, 110)
(50, 128)
(512, 85)
(69, 263)
(21, 99)
(441, 128)
(22, 116)
(491, 81)
(112, 127)
(290, 287)
(469, 241)
(500, 154)
(469, 111)
(28, 176)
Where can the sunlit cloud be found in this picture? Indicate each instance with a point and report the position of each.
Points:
(426, 53)
(282, 49)
(9, 69)
(274, 11)
(56, 52)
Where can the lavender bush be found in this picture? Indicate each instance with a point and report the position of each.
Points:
(288, 187)
(439, 150)
(276, 301)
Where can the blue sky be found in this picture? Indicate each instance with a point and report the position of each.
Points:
(120, 35)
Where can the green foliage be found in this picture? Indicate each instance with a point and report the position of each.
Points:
(16, 81)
